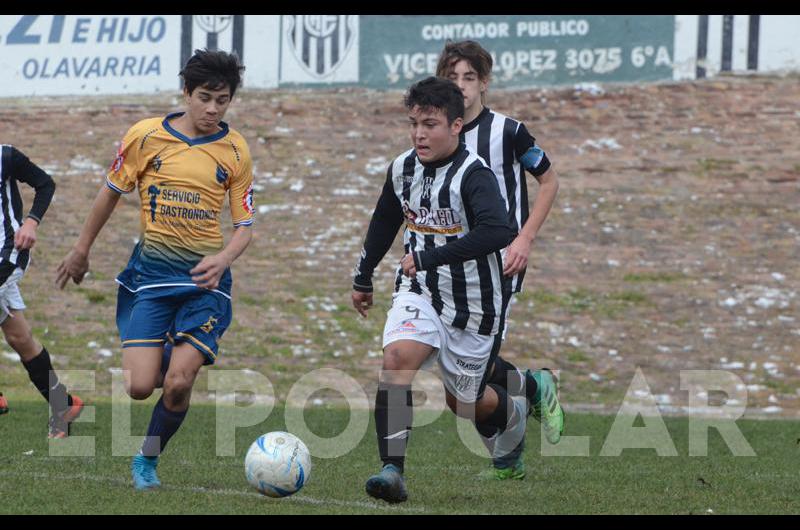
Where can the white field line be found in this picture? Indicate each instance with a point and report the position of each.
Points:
(300, 499)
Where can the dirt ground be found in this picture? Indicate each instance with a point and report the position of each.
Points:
(674, 243)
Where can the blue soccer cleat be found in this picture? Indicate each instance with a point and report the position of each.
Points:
(388, 485)
(143, 471)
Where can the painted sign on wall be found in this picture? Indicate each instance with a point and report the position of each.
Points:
(527, 50)
(73, 54)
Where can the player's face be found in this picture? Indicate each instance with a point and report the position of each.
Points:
(207, 107)
(431, 136)
(467, 79)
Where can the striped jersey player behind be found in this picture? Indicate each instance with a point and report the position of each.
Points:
(448, 289)
(17, 238)
(177, 284)
(509, 149)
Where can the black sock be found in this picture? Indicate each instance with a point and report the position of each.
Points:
(499, 418)
(507, 376)
(393, 416)
(487, 431)
(45, 379)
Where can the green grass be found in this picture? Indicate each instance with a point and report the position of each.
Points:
(440, 471)
(587, 301)
(664, 277)
(708, 165)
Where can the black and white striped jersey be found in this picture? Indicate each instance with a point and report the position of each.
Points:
(15, 166)
(508, 148)
(456, 224)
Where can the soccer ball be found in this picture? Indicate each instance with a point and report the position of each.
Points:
(277, 464)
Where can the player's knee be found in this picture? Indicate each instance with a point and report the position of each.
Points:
(20, 340)
(139, 391)
(459, 408)
(392, 358)
(177, 384)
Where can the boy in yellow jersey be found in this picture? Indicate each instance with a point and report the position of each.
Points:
(177, 282)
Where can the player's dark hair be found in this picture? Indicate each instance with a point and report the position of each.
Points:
(213, 70)
(435, 93)
(466, 50)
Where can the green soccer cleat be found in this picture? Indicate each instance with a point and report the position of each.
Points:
(515, 472)
(548, 410)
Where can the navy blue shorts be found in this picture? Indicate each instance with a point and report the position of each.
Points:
(150, 317)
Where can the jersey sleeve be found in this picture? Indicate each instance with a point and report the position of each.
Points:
(531, 156)
(241, 191)
(125, 169)
(26, 171)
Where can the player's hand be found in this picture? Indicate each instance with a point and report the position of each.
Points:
(362, 302)
(208, 272)
(75, 265)
(25, 237)
(409, 269)
(517, 256)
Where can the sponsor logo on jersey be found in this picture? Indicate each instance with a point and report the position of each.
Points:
(116, 165)
(247, 200)
(222, 175)
(432, 221)
(464, 382)
(469, 366)
(209, 325)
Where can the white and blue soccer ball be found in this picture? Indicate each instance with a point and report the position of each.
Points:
(277, 464)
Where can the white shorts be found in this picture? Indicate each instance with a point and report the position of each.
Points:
(462, 355)
(10, 297)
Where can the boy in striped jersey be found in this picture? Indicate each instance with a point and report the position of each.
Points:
(177, 284)
(508, 148)
(18, 239)
(448, 288)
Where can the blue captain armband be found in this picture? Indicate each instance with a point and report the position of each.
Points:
(535, 160)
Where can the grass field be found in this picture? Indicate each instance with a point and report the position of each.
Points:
(440, 472)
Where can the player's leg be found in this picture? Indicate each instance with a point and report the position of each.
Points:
(143, 320)
(165, 358)
(498, 414)
(463, 366)
(500, 371)
(64, 407)
(410, 337)
(141, 367)
(170, 411)
(394, 416)
(539, 387)
(199, 321)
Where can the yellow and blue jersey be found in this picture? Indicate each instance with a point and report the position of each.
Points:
(182, 183)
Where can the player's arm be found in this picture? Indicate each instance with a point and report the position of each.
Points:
(490, 231)
(121, 178)
(535, 161)
(386, 220)
(208, 272)
(76, 263)
(28, 172)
